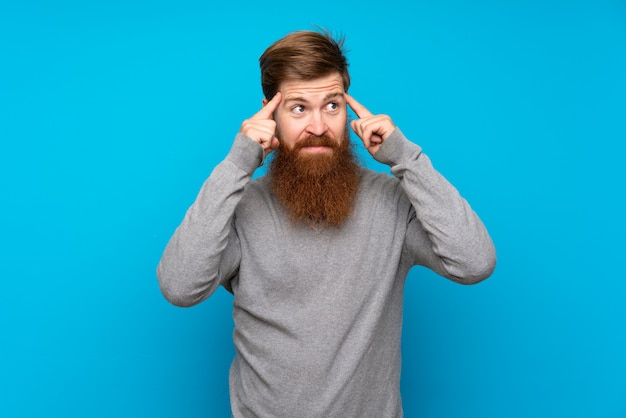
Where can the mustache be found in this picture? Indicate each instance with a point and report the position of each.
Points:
(316, 141)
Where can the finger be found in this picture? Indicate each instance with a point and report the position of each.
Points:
(274, 143)
(258, 128)
(259, 132)
(268, 110)
(377, 128)
(358, 129)
(370, 126)
(358, 108)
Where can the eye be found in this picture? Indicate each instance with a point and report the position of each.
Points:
(332, 106)
(298, 109)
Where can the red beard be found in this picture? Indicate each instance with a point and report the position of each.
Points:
(316, 189)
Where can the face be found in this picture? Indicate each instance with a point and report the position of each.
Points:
(312, 108)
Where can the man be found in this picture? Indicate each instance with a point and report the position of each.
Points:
(316, 252)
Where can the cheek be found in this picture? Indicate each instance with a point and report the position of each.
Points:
(288, 133)
(291, 129)
(339, 128)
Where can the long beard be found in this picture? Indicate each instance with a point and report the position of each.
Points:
(317, 189)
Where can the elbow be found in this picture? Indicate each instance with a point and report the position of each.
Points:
(177, 298)
(478, 269)
(174, 291)
(479, 272)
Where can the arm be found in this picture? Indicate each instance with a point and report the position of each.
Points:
(204, 251)
(195, 261)
(444, 233)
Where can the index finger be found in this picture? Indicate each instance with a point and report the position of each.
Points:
(358, 108)
(268, 109)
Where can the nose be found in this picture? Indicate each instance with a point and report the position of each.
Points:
(317, 126)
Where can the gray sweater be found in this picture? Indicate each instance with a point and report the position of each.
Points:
(318, 313)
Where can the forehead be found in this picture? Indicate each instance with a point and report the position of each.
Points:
(311, 89)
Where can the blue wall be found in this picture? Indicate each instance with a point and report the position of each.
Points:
(113, 113)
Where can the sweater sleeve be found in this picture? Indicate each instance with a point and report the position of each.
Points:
(444, 233)
(203, 251)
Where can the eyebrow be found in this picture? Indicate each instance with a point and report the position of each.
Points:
(333, 95)
(329, 96)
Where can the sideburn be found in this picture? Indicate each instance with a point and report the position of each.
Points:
(316, 190)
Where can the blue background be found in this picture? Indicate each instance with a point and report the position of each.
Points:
(113, 113)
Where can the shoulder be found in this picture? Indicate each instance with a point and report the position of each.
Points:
(381, 188)
(372, 181)
(258, 186)
(256, 194)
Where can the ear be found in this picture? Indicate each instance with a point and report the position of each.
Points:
(264, 101)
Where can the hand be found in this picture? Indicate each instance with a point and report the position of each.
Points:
(262, 127)
(372, 129)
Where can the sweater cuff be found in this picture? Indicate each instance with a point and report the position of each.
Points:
(397, 149)
(246, 153)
